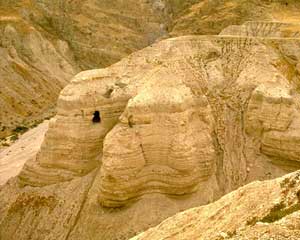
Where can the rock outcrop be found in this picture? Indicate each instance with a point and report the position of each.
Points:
(71, 36)
(260, 210)
(270, 108)
(173, 126)
(33, 71)
(44, 44)
(162, 144)
(170, 127)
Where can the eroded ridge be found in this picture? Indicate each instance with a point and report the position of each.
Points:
(279, 215)
(264, 29)
(162, 144)
(169, 117)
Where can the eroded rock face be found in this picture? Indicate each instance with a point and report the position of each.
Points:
(270, 108)
(273, 114)
(165, 119)
(283, 145)
(274, 212)
(77, 149)
(264, 29)
(273, 111)
(178, 124)
(33, 71)
(162, 144)
(44, 43)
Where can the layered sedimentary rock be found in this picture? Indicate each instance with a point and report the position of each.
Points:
(283, 145)
(77, 35)
(162, 144)
(270, 108)
(273, 109)
(173, 126)
(33, 72)
(77, 149)
(165, 121)
(264, 210)
(273, 115)
(80, 150)
(44, 44)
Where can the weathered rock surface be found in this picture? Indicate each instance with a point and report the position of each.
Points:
(33, 71)
(44, 44)
(260, 210)
(180, 123)
(270, 108)
(212, 16)
(51, 212)
(173, 126)
(163, 144)
(77, 35)
(264, 29)
(14, 157)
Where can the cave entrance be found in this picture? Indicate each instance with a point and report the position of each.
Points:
(97, 117)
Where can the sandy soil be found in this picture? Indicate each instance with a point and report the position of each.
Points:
(13, 158)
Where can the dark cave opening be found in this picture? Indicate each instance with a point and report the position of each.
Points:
(97, 117)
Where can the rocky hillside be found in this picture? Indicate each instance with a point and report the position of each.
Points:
(176, 125)
(212, 16)
(45, 43)
(33, 71)
(173, 126)
(260, 210)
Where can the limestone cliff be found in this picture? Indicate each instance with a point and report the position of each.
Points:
(78, 35)
(44, 44)
(173, 126)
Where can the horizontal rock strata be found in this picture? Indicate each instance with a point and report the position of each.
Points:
(264, 209)
(166, 118)
(176, 125)
(162, 144)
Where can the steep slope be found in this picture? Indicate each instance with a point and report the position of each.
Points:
(44, 44)
(33, 71)
(14, 157)
(212, 16)
(101, 32)
(260, 210)
(54, 40)
(173, 126)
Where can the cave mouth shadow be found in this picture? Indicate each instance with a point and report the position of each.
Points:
(97, 117)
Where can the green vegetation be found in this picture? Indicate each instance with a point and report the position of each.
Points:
(20, 129)
(14, 137)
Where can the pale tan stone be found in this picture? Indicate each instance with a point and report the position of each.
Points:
(161, 145)
(239, 215)
(183, 122)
